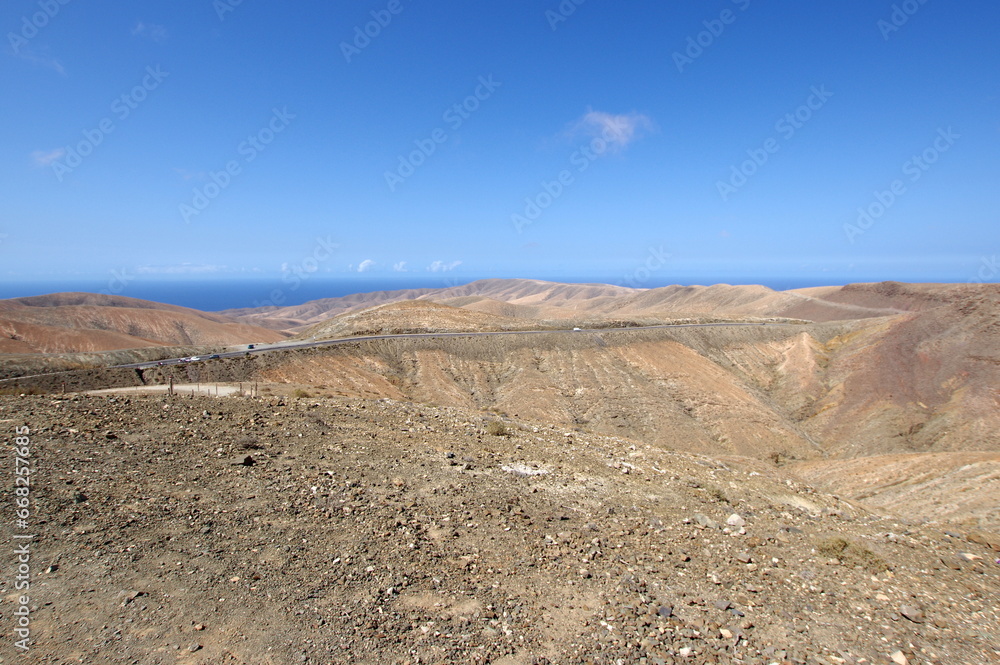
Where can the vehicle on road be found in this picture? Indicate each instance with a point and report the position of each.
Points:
(577, 329)
(250, 346)
(214, 356)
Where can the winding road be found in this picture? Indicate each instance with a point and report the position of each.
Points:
(285, 346)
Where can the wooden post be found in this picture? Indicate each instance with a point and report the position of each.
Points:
(170, 389)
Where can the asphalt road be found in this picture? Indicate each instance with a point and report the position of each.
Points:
(284, 346)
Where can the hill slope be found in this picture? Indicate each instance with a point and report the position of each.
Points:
(88, 322)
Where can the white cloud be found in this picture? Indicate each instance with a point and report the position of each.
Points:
(399, 267)
(157, 33)
(619, 131)
(441, 266)
(43, 158)
(366, 265)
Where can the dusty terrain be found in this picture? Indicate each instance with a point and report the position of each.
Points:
(554, 497)
(230, 530)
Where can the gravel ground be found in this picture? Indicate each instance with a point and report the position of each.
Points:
(189, 530)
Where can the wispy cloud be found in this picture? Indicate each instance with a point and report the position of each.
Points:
(366, 265)
(441, 266)
(47, 158)
(41, 60)
(157, 33)
(619, 131)
(399, 267)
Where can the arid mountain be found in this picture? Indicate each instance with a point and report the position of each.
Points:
(535, 299)
(87, 322)
(891, 381)
(920, 379)
(408, 316)
(317, 311)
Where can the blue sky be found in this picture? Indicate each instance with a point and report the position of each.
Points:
(644, 142)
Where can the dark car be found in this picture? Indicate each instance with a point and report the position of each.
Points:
(214, 356)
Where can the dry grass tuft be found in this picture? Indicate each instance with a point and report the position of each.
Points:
(851, 553)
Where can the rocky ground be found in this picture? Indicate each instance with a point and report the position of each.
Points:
(190, 530)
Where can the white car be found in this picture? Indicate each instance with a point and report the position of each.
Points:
(577, 329)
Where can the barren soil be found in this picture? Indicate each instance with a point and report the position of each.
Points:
(231, 530)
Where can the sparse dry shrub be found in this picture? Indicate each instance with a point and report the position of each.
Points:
(717, 494)
(301, 394)
(497, 428)
(851, 553)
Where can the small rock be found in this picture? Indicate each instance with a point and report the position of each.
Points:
(744, 557)
(705, 521)
(736, 521)
(665, 611)
(899, 658)
(914, 614)
(950, 563)
(726, 634)
(51, 569)
(194, 647)
(248, 461)
(723, 605)
(199, 626)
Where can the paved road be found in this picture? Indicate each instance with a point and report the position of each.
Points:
(284, 346)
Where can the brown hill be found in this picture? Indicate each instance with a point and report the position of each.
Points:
(87, 322)
(409, 316)
(540, 300)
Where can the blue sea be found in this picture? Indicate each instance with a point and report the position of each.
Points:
(217, 295)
